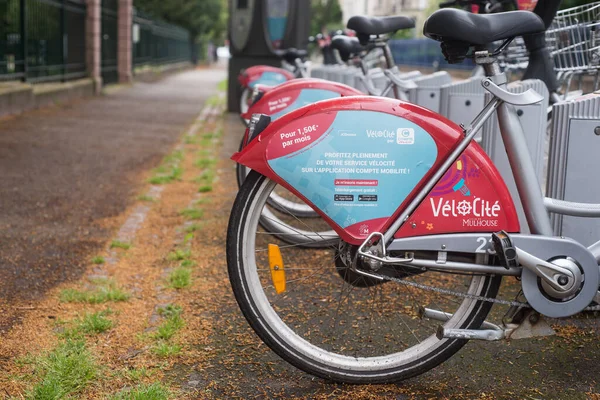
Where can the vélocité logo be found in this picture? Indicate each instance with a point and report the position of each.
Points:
(476, 207)
(387, 134)
(405, 136)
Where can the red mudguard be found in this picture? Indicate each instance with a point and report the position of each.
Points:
(296, 93)
(359, 161)
(264, 74)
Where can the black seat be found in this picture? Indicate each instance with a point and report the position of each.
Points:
(290, 55)
(346, 46)
(379, 25)
(450, 24)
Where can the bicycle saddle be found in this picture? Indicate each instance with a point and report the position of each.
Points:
(450, 24)
(346, 46)
(366, 26)
(291, 54)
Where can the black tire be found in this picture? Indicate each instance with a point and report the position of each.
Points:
(246, 93)
(240, 170)
(333, 360)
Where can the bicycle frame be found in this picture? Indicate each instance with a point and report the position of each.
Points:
(271, 77)
(535, 205)
(400, 87)
(536, 248)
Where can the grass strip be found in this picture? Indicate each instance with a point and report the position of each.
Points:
(172, 323)
(65, 371)
(95, 323)
(179, 254)
(98, 260)
(204, 163)
(90, 324)
(169, 170)
(145, 197)
(153, 391)
(206, 179)
(169, 327)
(165, 349)
(192, 213)
(188, 263)
(117, 244)
(103, 293)
(180, 277)
(137, 374)
(193, 228)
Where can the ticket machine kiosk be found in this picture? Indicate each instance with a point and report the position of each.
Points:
(257, 28)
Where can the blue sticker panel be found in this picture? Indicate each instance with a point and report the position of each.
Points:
(276, 27)
(306, 96)
(362, 168)
(277, 13)
(269, 78)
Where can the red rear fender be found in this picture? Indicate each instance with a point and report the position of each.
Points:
(358, 161)
(296, 93)
(264, 74)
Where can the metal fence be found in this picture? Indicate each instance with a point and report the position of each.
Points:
(156, 42)
(45, 40)
(423, 53)
(42, 40)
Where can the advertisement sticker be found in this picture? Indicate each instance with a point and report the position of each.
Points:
(356, 166)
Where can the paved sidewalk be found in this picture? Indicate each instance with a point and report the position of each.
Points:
(66, 171)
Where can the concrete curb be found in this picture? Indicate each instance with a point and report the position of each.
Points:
(16, 97)
(155, 73)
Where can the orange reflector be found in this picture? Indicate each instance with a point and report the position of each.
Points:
(276, 266)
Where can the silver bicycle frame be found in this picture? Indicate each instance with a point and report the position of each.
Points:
(301, 67)
(399, 86)
(535, 205)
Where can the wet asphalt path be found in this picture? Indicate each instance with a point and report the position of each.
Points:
(65, 171)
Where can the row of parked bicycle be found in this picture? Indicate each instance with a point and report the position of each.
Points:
(379, 210)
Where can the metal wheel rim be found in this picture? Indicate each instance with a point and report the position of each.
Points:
(270, 319)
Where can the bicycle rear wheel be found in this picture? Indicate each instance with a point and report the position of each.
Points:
(334, 324)
(244, 98)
